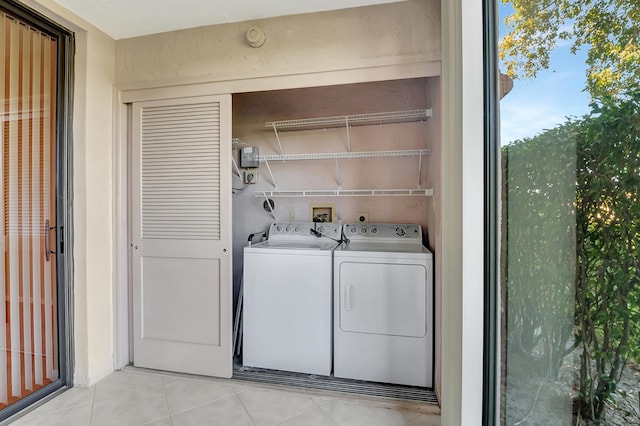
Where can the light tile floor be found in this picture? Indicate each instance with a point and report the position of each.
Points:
(133, 397)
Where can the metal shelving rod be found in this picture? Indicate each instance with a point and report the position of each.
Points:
(275, 130)
(419, 170)
(337, 155)
(273, 179)
(236, 169)
(237, 143)
(350, 120)
(266, 199)
(291, 193)
(346, 125)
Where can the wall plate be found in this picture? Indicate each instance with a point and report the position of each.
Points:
(251, 176)
(323, 212)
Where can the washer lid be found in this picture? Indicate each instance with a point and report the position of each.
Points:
(316, 244)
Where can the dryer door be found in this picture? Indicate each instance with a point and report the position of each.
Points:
(383, 298)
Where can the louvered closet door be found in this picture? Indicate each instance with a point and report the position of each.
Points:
(181, 223)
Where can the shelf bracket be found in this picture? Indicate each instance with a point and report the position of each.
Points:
(346, 125)
(275, 218)
(273, 179)
(235, 167)
(275, 130)
(338, 175)
(419, 170)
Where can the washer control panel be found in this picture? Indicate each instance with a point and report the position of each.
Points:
(306, 230)
(386, 231)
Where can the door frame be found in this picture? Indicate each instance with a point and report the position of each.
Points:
(180, 88)
(492, 207)
(64, 195)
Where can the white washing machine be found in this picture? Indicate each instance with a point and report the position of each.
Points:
(383, 305)
(287, 307)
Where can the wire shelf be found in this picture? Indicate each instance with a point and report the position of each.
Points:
(350, 120)
(237, 143)
(345, 155)
(291, 193)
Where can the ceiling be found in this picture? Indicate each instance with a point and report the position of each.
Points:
(132, 18)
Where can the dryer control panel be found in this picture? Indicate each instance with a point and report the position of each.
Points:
(383, 231)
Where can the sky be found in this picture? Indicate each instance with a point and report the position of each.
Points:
(544, 102)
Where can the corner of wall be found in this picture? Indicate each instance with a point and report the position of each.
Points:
(92, 174)
(98, 198)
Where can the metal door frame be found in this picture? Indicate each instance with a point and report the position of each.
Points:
(64, 196)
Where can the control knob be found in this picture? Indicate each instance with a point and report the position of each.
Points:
(400, 231)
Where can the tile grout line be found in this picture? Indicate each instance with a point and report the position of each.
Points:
(317, 406)
(166, 399)
(325, 411)
(245, 408)
(93, 401)
(34, 414)
(309, 411)
(234, 393)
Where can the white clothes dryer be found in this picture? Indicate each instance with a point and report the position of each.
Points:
(383, 305)
(287, 293)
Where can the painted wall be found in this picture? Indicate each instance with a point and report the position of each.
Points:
(391, 34)
(93, 198)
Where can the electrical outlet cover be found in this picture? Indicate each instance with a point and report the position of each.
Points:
(250, 176)
(362, 217)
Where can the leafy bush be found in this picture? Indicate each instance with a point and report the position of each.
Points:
(607, 248)
(571, 247)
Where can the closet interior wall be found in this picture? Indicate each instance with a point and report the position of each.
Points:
(252, 110)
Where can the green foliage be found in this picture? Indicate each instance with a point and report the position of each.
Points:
(608, 248)
(608, 29)
(540, 186)
(572, 246)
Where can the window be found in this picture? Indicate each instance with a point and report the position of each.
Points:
(34, 109)
(569, 263)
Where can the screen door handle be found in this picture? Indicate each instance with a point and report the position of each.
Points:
(47, 250)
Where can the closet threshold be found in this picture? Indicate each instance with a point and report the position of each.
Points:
(335, 384)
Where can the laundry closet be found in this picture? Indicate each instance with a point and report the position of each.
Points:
(373, 71)
(359, 153)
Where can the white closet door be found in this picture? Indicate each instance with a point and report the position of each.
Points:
(181, 226)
